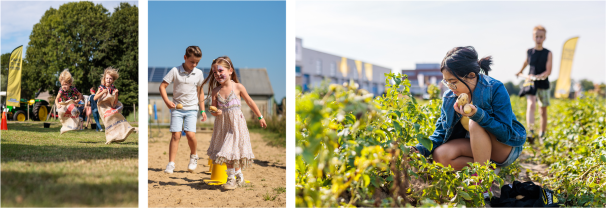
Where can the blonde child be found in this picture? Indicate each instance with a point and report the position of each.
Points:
(230, 143)
(67, 111)
(67, 91)
(540, 61)
(117, 128)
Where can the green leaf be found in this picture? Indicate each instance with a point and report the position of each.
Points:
(603, 158)
(398, 81)
(425, 142)
(397, 126)
(380, 133)
(465, 195)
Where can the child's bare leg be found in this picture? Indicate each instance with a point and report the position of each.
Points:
(174, 145)
(191, 140)
(531, 101)
(543, 112)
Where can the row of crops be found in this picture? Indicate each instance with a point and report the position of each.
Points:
(352, 150)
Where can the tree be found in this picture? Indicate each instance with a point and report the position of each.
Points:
(511, 88)
(71, 37)
(124, 47)
(587, 85)
(84, 38)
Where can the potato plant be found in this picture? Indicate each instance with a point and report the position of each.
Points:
(353, 150)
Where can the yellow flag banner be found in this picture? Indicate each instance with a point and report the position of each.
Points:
(563, 84)
(359, 68)
(368, 70)
(343, 67)
(13, 92)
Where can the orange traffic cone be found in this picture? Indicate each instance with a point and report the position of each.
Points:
(3, 126)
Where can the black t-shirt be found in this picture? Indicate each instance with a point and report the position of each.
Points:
(537, 60)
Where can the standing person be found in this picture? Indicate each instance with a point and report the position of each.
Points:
(187, 93)
(539, 59)
(87, 110)
(230, 143)
(490, 131)
(94, 110)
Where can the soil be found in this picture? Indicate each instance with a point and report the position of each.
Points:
(267, 176)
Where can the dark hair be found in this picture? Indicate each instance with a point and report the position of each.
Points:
(193, 51)
(461, 61)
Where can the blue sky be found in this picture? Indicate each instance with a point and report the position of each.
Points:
(19, 17)
(399, 34)
(252, 34)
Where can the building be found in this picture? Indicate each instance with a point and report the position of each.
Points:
(256, 81)
(422, 76)
(313, 67)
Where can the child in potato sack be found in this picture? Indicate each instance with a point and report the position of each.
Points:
(230, 143)
(117, 128)
(66, 101)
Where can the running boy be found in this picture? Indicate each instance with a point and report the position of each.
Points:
(539, 59)
(187, 92)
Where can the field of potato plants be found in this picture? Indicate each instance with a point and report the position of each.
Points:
(352, 150)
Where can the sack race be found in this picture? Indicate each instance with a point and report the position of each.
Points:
(117, 128)
(69, 115)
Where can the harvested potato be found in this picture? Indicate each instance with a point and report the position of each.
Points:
(518, 197)
(179, 106)
(213, 108)
(463, 99)
(467, 108)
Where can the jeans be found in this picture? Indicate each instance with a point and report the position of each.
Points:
(96, 116)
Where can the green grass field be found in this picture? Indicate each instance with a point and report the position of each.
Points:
(42, 168)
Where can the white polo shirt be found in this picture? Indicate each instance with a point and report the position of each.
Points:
(185, 86)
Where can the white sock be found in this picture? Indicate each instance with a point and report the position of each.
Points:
(231, 173)
(171, 163)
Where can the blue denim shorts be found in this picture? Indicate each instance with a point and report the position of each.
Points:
(183, 119)
(513, 155)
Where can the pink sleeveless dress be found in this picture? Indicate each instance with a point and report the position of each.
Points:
(230, 142)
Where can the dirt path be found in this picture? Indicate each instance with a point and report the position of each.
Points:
(267, 176)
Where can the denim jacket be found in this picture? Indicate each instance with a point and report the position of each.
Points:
(494, 114)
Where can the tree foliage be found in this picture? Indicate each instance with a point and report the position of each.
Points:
(84, 38)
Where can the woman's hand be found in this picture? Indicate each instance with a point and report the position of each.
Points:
(219, 112)
(459, 109)
(262, 122)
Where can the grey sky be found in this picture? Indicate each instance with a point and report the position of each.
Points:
(400, 34)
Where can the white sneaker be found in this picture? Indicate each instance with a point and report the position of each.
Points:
(230, 184)
(170, 167)
(193, 163)
(239, 178)
(101, 130)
